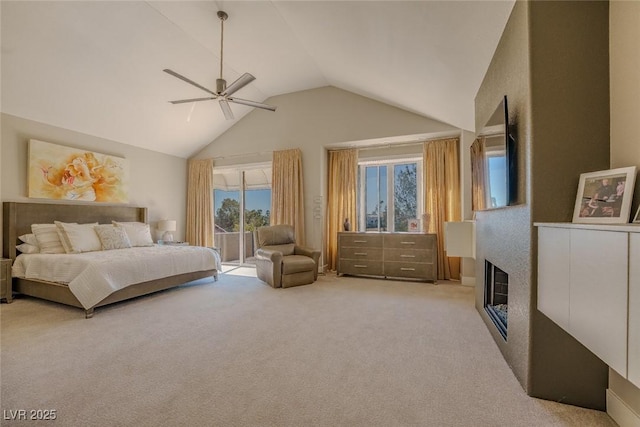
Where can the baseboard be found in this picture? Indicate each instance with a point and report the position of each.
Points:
(468, 281)
(621, 413)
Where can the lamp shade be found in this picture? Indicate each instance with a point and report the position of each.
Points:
(167, 225)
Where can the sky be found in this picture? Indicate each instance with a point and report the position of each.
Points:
(254, 199)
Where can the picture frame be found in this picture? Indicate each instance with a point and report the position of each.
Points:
(413, 225)
(604, 197)
(636, 218)
(69, 173)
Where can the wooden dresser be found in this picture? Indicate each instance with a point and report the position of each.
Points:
(393, 255)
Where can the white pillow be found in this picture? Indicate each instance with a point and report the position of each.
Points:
(29, 238)
(66, 244)
(79, 237)
(139, 233)
(47, 237)
(26, 248)
(112, 237)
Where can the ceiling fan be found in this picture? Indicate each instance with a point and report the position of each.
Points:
(223, 92)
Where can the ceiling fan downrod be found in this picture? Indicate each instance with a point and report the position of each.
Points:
(221, 84)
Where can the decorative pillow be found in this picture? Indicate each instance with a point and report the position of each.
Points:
(112, 237)
(29, 238)
(26, 248)
(139, 233)
(48, 239)
(79, 237)
(66, 244)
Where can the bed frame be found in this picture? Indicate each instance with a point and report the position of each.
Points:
(17, 220)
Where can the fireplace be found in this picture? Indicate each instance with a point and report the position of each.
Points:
(496, 293)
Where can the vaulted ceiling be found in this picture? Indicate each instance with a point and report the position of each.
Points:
(96, 67)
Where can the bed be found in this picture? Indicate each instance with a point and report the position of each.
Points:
(17, 220)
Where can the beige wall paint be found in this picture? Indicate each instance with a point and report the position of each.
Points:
(157, 181)
(313, 120)
(624, 59)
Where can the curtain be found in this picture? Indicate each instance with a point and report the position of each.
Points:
(341, 199)
(442, 197)
(478, 194)
(200, 203)
(287, 197)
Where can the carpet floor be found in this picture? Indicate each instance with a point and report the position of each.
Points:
(342, 352)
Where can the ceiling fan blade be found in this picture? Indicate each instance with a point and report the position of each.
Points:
(191, 82)
(241, 82)
(228, 114)
(252, 103)
(184, 101)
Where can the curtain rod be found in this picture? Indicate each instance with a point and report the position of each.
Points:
(377, 146)
(231, 156)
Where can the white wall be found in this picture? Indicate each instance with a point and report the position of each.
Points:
(624, 57)
(313, 120)
(157, 181)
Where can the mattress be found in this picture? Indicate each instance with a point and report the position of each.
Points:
(93, 276)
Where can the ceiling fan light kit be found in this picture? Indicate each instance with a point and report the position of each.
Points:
(223, 92)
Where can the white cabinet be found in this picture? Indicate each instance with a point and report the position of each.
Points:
(553, 252)
(589, 284)
(633, 373)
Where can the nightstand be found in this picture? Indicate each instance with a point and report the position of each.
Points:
(6, 288)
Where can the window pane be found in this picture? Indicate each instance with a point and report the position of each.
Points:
(497, 193)
(257, 208)
(227, 210)
(382, 197)
(405, 195)
(371, 197)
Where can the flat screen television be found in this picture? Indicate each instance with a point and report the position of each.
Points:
(500, 179)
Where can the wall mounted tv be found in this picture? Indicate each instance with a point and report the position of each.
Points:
(499, 174)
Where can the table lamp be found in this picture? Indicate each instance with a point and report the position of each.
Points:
(167, 225)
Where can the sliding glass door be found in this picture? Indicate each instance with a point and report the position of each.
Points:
(242, 203)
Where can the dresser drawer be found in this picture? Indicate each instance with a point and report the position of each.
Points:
(409, 270)
(370, 254)
(424, 256)
(348, 266)
(411, 241)
(360, 240)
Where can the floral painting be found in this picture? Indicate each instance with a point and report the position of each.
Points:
(65, 173)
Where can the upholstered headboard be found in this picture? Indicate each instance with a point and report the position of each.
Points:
(18, 217)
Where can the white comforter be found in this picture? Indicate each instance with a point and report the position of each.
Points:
(93, 276)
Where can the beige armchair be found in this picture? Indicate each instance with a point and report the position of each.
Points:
(280, 262)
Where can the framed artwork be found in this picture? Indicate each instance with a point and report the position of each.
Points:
(66, 173)
(604, 197)
(413, 225)
(636, 218)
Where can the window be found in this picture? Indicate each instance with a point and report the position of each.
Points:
(390, 194)
(242, 203)
(496, 167)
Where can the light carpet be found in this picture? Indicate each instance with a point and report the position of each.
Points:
(342, 352)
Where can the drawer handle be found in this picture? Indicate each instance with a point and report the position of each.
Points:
(359, 266)
(359, 241)
(407, 256)
(408, 243)
(360, 253)
(407, 269)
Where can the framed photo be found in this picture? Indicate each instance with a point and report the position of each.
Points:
(604, 197)
(413, 225)
(636, 218)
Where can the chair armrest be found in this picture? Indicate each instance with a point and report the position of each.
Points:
(311, 253)
(269, 267)
(269, 255)
(302, 250)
